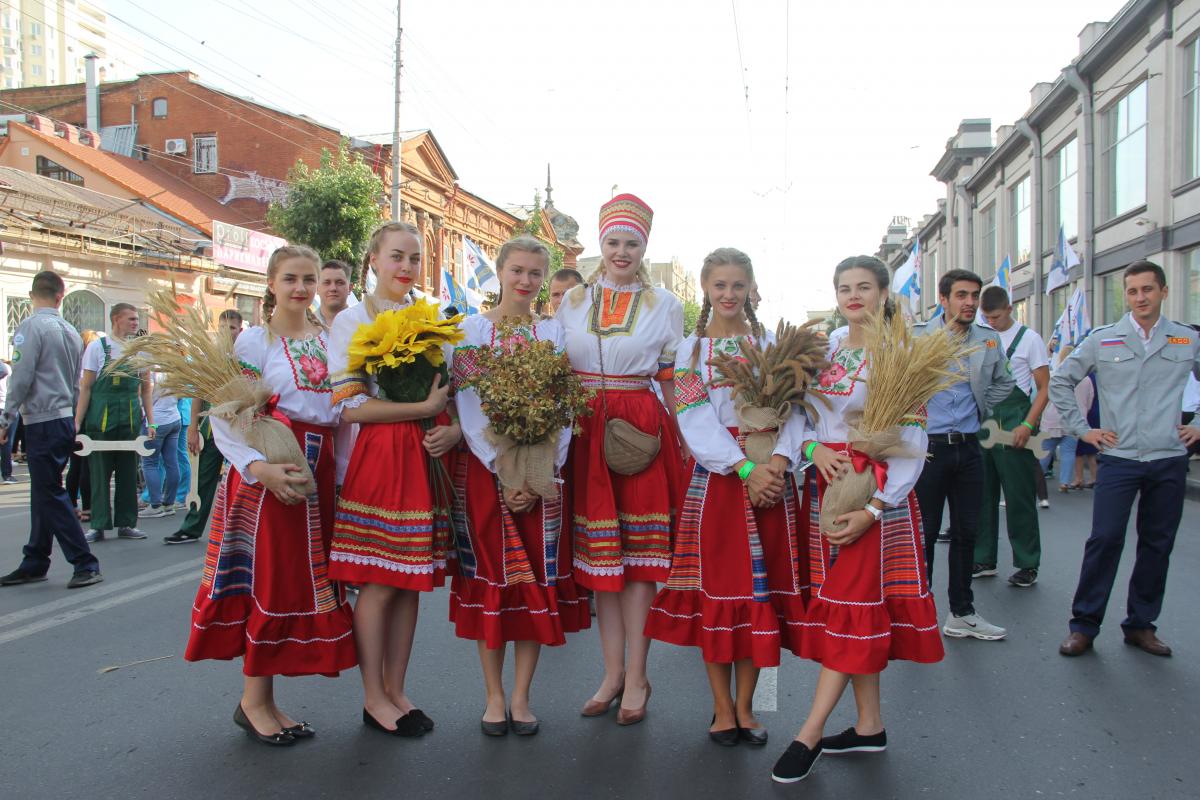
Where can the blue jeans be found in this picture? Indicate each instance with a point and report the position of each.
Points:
(1065, 445)
(185, 468)
(165, 458)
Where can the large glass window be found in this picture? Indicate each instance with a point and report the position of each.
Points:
(1058, 302)
(1064, 190)
(1191, 111)
(1114, 297)
(1021, 213)
(1124, 156)
(84, 310)
(1193, 286)
(989, 256)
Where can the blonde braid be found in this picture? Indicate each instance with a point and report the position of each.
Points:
(756, 328)
(700, 331)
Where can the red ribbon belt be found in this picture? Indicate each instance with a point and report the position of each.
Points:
(860, 461)
(271, 409)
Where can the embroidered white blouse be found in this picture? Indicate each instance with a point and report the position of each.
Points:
(480, 332)
(297, 370)
(846, 395)
(705, 405)
(640, 337)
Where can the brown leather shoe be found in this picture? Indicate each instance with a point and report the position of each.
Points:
(632, 716)
(598, 708)
(1144, 639)
(1076, 644)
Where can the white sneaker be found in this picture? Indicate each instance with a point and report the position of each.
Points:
(972, 626)
(93, 536)
(152, 512)
(1044, 504)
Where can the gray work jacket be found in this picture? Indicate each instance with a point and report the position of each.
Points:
(987, 368)
(45, 379)
(1140, 386)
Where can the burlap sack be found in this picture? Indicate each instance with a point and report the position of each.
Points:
(852, 491)
(761, 427)
(242, 407)
(521, 465)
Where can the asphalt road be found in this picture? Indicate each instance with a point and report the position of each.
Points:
(1008, 719)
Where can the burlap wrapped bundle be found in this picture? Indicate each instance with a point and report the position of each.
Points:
(526, 465)
(851, 491)
(243, 404)
(760, 425)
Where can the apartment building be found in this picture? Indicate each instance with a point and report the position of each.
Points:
(45, 43)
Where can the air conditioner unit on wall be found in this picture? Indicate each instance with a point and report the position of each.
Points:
(176, 147)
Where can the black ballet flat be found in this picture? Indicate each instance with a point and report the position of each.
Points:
(407, 726)
(301, 730)
(280, 739)
(725, 738)
(523, 728)
(426, 722)
(754, 736)
(494, 728)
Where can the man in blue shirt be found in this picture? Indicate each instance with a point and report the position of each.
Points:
(954, 471)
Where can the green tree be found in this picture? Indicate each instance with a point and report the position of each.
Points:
(691, 313)
(332, 208)
(834, 321)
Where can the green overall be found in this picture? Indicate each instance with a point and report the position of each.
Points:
(1013, 470)
(209, 470)
(114, 413)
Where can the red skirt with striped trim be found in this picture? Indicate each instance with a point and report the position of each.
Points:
(622, 523)
(870, 601)
(738, 577)
(266, 594)
(513, 581)
(388, 529)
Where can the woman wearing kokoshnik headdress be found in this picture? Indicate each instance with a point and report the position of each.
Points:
(517, 399)
(266, 594)
(869, 599)
(626, 465)
(738, 577)
(392, 531)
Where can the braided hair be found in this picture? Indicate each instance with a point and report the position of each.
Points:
(724, 256)
(374, 243)
(270, 302)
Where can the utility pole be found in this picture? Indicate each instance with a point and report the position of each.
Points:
(396, 124)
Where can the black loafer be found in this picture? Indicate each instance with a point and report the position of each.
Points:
(755, 736)
(851, 741)
(796, 763)
(426, 722)
(279, 739)
(17, 577)
(81, 579)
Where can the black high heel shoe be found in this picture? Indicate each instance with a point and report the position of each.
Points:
(725, 738)
(281, 739)
(407, 726)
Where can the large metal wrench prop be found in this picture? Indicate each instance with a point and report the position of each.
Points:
(995, 435)
(88, 445)
(193, 495)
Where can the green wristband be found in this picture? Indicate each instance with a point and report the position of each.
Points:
(745, 469)
(1026, 424)
(808, 450)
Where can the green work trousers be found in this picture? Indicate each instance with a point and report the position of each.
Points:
(209, 471)
(1013, 470)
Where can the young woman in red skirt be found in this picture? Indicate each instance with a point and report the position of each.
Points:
(389, 535)
(266, 594)
(622, 333)
(514, 581)
(870, 600)
(738, 574)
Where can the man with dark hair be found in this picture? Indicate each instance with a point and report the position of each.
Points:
(954, 471)
(333, 289)
(562, 282)
(1141, 364)
(111, 408)
(1015, 469)
(46, 353)
(200, 441)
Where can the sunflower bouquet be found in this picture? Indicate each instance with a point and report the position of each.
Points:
(529, 393)
(402, 350)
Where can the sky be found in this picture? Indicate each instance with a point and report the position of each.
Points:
(794, 131)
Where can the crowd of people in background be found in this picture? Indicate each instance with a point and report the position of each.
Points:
(696, 546)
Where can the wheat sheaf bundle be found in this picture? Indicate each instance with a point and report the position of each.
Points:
(194, 361)
(768, 383)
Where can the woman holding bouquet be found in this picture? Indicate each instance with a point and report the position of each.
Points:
(870, 599)
(626, 466)
(391, 535)
(266, 594)
(514, 579)
(738, 571)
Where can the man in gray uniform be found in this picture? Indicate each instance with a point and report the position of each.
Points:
(44, 388)
(1141, 364)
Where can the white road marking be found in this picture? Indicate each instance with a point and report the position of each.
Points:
(766, 694)
(190, 569)
(87, 610)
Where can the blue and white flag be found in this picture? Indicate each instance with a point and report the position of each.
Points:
(1065, 257)
(1081, 322)
(1003, 277)
(452, 294)
(907, 280)
(481, 276)
(937, 312)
